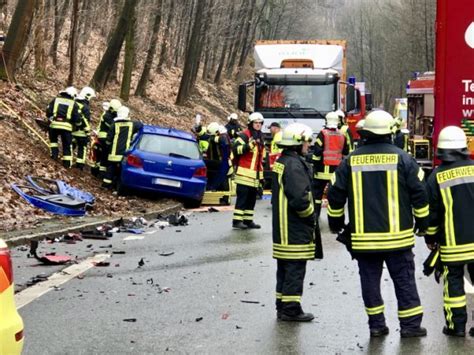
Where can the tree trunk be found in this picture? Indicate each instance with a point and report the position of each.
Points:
(59, 17)
(193, 56)
(129, 58)
(40, 56)
(166, 37)
(17, 37)
(73, 43)
(102, 73)
(141, 86)
(3, 14)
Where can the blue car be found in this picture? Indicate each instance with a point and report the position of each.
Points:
(167, 161)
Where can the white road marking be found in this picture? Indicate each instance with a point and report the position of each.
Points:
(134, 237)
(468, 288)
(31, 293)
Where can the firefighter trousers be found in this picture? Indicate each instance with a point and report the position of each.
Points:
(454, 295)
(245, 203)
(319, 185)
(401, 267)
(289, 286)
(81, 145)
(112, 174)
(66, 141)
(102, 154)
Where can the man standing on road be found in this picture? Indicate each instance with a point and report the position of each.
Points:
(383, 185)
(451, 195)
(293, 221)
(249, 149)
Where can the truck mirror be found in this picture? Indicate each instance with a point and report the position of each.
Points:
(369, 105)
(350, 98)
(242, 104)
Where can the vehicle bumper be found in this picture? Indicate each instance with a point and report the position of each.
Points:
(139, 179)
(10, 324)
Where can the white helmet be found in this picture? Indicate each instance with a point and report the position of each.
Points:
(232, 116)
(295, 134)
(213, 128)
(71, 91)
(340, 114)
(332, 120)
(360, 124)
(222, 129)
(115, 104)
(105, 105)
(87, 92)
(452, 137)
(379, 122)
(255, 117)
(123, 112)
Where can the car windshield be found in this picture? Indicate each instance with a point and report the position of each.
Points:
(169, 146)
(297, 97)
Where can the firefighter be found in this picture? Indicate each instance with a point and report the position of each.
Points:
(63, 114)
(118, 141)
(219, 164)
(275, 150)
(344, 129)
(293, 221)
(233, 126)
(105, 123)
(400, 136)
(249, 149)
(385, 190)
(360, 126)
(82, 129)
(451, 196)
(328, 151)
(201, 135)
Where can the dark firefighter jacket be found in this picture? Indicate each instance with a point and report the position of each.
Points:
(451, 194)
(233, 129)
(82, 128)
(400, 139)
(293, 208)
(385, 189)
(63, 112)
(119, 138)
(106, 120)
(321, 170)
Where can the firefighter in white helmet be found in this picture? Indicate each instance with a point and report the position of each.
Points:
(249, 148)
(344, 129)
(328, 150)
(63, 115)
(385, 192)
(400, 135)
(218, 159)
(233, 127)
(451, 196)
(82, 129)
(293, 221)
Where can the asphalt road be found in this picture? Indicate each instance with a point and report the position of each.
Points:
(191, 301)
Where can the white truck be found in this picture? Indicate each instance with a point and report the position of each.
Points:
(301, 81)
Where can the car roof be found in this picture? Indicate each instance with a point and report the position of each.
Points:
(170, 132)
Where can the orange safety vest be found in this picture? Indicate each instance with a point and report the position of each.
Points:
(333, 147)
(250, 166)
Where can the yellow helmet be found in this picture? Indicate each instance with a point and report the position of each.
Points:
(295, 134)
(115, 104)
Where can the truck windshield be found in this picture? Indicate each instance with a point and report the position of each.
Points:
(296, 97)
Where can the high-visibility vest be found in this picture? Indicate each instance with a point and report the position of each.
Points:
(333, 146)
(250, 167)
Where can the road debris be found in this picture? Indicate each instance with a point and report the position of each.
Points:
(199, 319)
(141, 262)
(48, 259)
(130, 320)
(101, 263)
(246, 301)
(166, 253)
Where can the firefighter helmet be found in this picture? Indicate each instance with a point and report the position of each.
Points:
(87, 92)
(123, 112)
(213, 128)
(360, 125)
(255, 117)
(105, 105)
(115, 104)
(295, 134)
(233, 116)
(379, 122)
(332, 120)
(71, 91)
(452, 137)
(341, 114)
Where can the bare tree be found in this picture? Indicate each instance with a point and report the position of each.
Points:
(129, 57)
(73, 42)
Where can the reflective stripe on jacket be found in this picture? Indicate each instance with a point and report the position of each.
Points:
(292, 208)
(321, 170)
(120, 137)
(451, 194)
(250, 155)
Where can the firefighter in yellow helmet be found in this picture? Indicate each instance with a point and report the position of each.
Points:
(451, 196)
(293, 221)
(82, 129)
(249, 149)
(385, 192)
(63, 114)
(328, 151)
(400, 135)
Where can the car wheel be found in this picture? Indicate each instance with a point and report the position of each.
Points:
(192, 203)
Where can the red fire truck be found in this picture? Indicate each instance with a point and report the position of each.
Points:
(452, 87)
